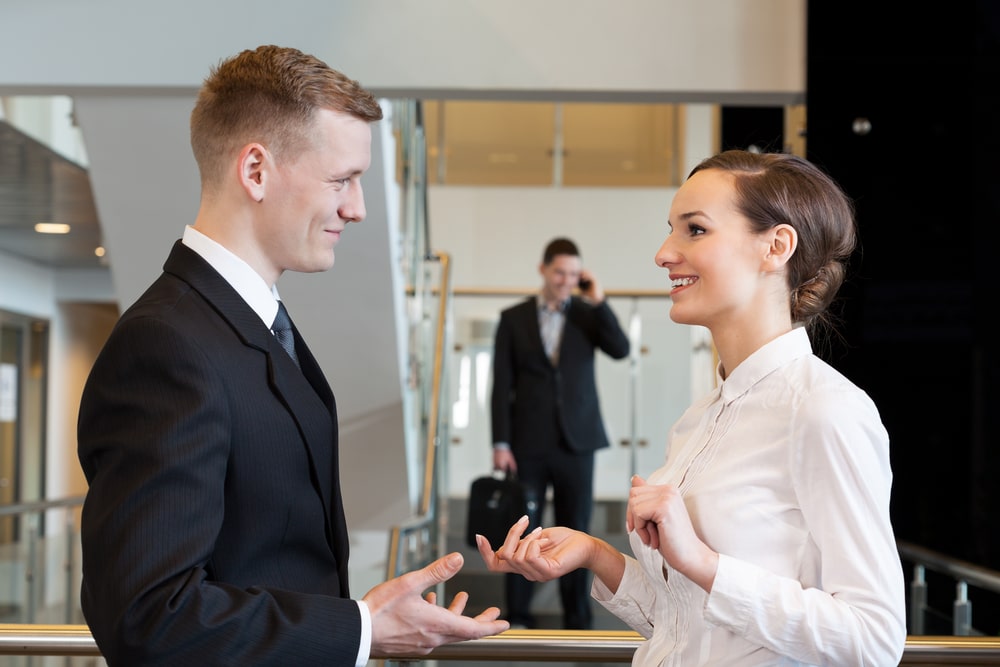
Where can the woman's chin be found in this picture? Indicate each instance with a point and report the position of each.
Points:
(681, 315)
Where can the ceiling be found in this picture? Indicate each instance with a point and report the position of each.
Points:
(39, 185)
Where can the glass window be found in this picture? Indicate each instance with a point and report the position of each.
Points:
(620, 144)
(553, 144)
(490, 143)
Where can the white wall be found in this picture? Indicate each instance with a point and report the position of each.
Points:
(25, 287)
(674, 50)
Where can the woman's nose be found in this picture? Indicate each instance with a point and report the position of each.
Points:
(664, 256)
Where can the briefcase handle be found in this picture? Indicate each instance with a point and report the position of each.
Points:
(505, 473)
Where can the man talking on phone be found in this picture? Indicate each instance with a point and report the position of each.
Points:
(546, 416)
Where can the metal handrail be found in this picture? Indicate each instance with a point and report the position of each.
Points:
(528, 291)
(963, 572)
(977, 575)
(433, 419)
(514, 645)
(40, 505)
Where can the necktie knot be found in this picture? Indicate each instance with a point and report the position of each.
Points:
(282, 329)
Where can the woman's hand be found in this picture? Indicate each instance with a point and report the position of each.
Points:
(541, 555)
(659, 517)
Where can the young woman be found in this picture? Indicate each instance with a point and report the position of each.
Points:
(765, 538)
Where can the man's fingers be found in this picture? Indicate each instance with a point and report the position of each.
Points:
(458, 602)
(439, 571)
(488, 614)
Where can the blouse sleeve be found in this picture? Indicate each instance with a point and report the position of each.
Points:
(842, 479)
(634, 600)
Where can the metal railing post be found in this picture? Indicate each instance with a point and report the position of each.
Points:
(68, 563)
(29, 574)
(962, 615)
(918, 600)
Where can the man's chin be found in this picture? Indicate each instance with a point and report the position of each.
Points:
(315, 266)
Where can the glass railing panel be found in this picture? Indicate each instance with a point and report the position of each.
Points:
(40, 563)
(429, 335)
(40, 572)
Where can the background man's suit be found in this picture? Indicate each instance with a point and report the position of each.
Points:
(230, 417)
(551, 417)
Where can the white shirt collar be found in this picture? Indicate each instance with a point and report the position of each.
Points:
(764, 361)
(543, 304)
(263, 299)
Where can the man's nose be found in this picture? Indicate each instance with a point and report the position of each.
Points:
(353, 209)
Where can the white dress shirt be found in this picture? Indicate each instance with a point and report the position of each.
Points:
(264, 301)
(784, 469)
(551, 322)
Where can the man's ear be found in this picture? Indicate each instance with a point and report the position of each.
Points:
(252, 174)
(784, 240)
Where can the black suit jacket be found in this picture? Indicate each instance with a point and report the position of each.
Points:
(213, 531)
(534, 402)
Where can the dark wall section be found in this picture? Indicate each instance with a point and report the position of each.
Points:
(760, 129)
(902, 111)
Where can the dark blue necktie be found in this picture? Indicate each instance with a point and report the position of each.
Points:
(282, 329)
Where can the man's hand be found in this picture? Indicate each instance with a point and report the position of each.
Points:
(503, 459)
(404, 623)
(590, 289)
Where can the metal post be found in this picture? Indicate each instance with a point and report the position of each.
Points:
(29, 574)
(635, 342)
(918, 600)
(68, 567)
(962, 619)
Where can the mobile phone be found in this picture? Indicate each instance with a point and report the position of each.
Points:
(584, 284)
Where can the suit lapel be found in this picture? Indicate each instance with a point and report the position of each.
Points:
(290, 381)
(529, 311)
(305, 393)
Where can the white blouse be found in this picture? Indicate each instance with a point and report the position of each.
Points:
(784, 469)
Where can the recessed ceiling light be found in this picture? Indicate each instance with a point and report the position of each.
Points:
(51, 228)
(99, 251)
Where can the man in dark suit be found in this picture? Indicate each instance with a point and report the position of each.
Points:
(546, 416)
(213, 531)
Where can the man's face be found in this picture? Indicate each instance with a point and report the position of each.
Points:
(560, 277)
(311, 198)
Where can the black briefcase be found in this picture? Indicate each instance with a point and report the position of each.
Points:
(495, 504)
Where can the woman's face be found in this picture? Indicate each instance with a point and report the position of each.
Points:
(714, 260)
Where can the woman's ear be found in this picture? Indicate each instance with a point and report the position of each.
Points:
(784, 240)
